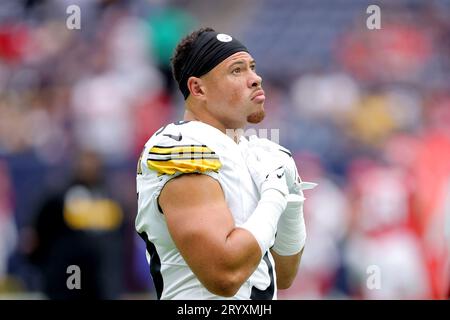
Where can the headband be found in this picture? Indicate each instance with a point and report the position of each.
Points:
(210, 49)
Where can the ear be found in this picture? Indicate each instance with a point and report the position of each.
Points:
(196, 87)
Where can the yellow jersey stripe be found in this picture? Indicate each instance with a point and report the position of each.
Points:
(184, 165)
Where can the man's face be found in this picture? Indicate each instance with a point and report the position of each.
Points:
(233, 91)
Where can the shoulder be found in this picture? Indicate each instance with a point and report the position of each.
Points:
(181, 147)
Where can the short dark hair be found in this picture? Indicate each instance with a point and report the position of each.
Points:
(182, 51)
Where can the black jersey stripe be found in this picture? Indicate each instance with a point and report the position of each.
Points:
(184, 158)
(266, 294)
(181, 146)
(155, 265)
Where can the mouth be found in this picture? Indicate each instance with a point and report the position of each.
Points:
(259, 96)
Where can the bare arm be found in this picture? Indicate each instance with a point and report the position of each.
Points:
(286, 268)
(221, 255)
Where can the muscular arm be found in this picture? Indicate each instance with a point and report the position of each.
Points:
(221, 255)
(286, 268)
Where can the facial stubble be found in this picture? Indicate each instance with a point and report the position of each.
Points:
(256, 117)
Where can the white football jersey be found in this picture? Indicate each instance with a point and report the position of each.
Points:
(187, 147)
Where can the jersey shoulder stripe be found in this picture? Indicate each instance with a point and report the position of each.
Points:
(184, 165)
(190, 156)
(181, 149)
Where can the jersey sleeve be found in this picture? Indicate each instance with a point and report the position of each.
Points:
(188, 155)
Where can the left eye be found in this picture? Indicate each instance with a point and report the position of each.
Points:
(237, 70)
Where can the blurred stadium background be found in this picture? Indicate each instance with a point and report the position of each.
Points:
(366, 113)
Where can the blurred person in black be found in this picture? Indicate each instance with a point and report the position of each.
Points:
(79, 225)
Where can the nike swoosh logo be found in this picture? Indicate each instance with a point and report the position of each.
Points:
(176, 138)
(280, 175)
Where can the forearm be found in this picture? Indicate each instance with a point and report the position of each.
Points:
(286, 268)
(245, 245)
(289, 243)
(241, 256)
(230, 254)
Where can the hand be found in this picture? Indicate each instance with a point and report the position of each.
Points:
(267, 170)
(284, 155)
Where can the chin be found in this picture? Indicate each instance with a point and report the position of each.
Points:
(256, 117)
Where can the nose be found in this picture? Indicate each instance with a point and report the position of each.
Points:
(255, 80)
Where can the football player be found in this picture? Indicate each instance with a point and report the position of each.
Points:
(221, 215)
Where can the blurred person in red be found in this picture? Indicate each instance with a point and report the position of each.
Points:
(383, 242)
(431, 195)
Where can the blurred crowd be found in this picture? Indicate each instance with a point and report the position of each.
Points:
(368, 119)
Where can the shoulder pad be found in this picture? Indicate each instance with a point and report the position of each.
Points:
(176, 151)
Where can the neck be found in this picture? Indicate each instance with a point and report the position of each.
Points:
(207, 118)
